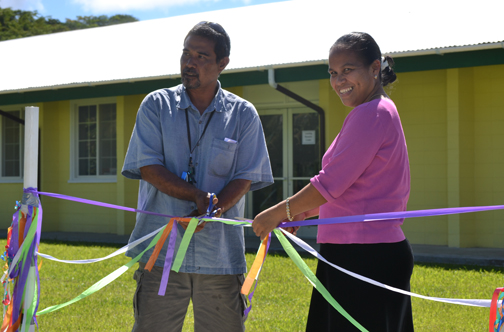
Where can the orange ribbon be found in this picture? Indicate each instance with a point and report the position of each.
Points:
(8, 316)
(22, 224)
(15, 326)
(256, 266)
(159, 246)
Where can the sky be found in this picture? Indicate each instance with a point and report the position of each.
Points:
(141, 9)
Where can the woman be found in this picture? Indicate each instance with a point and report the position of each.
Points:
(365, 170)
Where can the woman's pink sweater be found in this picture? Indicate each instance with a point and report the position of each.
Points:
(365, 170)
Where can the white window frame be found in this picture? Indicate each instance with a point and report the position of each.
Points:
(74, 142)
(12, 179)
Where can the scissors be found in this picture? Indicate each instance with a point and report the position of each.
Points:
(210, 211)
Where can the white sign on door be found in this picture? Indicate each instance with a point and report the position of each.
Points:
(308, 137)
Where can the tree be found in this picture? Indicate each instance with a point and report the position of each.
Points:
(19, 23)
(84, 22)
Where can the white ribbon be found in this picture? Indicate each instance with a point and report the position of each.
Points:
(309, 249)
(468, 302)
(115, 253)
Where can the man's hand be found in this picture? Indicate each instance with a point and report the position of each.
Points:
(184, 224)
(197, 213)
(202, 202)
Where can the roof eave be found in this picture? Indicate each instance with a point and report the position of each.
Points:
(434, 51)
(452, 49)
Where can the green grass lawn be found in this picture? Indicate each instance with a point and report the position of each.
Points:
(280, 302)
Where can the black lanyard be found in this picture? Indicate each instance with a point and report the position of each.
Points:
(191, 171)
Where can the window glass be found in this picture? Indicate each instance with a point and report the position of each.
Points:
(96, 140)
(12, 146)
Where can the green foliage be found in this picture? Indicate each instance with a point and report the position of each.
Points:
(84, 22)
(19, 23)
(280, 303)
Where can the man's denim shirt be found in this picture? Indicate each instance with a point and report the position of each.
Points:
(233, 147)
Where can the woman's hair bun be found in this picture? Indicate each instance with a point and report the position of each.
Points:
(387, 72)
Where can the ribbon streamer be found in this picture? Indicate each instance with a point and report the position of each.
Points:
(27, 235)
(105, 281)
(24, 239)
(168, 262)
(159, 246)
(496, 311)
(115, 253)
(294, 255)
(253, 274)
(184, 244)
(308, 248)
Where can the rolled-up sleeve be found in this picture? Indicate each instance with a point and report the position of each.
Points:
(146, 143)
(351, 153)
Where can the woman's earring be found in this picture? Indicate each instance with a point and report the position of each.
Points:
(376, 77)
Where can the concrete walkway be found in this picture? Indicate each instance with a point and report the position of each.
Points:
(422, 253)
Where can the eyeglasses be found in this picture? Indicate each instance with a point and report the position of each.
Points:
(214, 26)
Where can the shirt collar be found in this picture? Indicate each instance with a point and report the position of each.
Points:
(184, 101)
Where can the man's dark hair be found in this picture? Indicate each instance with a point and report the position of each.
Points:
(216, 33)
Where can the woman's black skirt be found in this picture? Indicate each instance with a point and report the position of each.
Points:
(375, 308)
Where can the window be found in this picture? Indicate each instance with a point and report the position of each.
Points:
(94, 149)
(11, 146)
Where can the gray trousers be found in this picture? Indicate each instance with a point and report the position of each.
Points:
(217, 302)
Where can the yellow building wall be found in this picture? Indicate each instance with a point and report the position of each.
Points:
(62, 215)
(489, 154)
(127, 189)
(420, 98)
(9, 194)
(68, 216)
(453, 122)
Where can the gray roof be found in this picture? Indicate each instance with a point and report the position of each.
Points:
(282, 34)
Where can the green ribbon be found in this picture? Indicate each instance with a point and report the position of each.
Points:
(293, 254)
(228, 222)
(105, 281)
(31, 277)
(184, 244)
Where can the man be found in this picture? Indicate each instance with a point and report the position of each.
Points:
(214, 140)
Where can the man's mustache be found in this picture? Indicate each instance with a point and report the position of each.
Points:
(190, 71)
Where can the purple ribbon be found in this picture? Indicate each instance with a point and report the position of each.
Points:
(91, 202)
(391, 215)
(23, 270)
(168, 260)
(311, 222)
(35, 257)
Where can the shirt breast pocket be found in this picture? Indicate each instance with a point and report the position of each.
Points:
(222, 156)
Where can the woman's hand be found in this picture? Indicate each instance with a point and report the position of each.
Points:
(266, 221)
(269, 219)
(307, 200)
(293, 230)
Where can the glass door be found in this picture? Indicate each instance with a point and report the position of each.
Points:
(292, 138)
